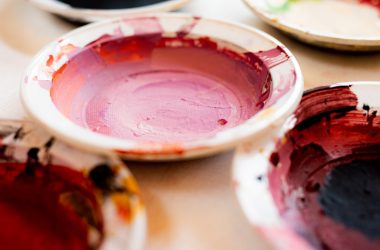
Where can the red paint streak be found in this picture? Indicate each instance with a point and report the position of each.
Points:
(373, 3)
(329, 130)
(50, 61)
(186, 29)
(273, 57)
(153, 149)
(144, 25)
(49, 209)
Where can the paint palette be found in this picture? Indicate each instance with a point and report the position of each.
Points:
(352, 25)
(314, 183)
(161, 87)
(54, 196)
(95, 10)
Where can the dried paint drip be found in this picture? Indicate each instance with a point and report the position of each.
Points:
(152, 88)
(47, 207)
(110, 4)
(325, 176)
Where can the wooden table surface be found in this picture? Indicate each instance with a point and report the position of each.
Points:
(190, 205)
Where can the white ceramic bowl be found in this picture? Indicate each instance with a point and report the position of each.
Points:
(92, 15)
(271, 203)
(121, 208)
(287, 84)
(343, 24)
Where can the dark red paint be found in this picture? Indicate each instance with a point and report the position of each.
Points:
(330, 135)
(46, 207)
(374, 3)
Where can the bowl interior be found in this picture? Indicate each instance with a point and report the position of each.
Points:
(175, 80)
(160, 88)
(324, 172)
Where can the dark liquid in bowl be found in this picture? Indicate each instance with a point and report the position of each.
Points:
(110, 4)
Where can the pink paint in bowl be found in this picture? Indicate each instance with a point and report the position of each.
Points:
(162, 86)
(150, 88)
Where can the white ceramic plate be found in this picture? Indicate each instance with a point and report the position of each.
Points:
(287, 83)
(92, 15)
(253, 163)
(351, 25)
(124, 218)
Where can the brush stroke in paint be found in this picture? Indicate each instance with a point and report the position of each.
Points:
(325, 169)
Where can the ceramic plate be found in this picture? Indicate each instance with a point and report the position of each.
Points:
(282, 181)
(91, 15)
(100, 190)
(161, 87)
(352, 25)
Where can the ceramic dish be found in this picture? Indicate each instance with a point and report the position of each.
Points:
(314, 183)
(73, 199)
(351, 25)
(161, 87)
(88, 11)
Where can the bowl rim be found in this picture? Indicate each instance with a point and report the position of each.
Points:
(92, 15)
(169, 152)
(333, 41)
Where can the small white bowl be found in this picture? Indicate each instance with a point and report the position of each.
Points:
(117, 198)
(286, 85)
(92, 15)
(342, 25)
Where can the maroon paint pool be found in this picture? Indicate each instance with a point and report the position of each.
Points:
(46, 207)
(154, 88)
(326, 172)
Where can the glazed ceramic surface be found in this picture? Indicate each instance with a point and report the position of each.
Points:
(122, 220)
(280, 80)
(282, 181)
(91, 15)
(338, 24)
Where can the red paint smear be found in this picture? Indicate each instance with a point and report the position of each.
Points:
(150, 149)
(373, 3)
(329, 127)
(40, 210)
(50, 61)
(144, 25)
(186, 29)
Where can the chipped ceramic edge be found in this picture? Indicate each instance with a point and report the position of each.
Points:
(318, 39)
(93, 15)
(251, 164)
(286, 75)
(121, 231)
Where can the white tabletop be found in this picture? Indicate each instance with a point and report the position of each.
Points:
(190, 205)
